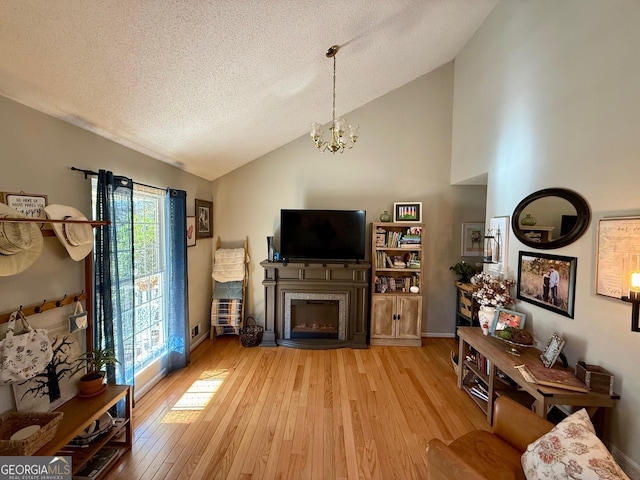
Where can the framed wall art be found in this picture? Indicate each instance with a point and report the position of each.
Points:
(31, 205)
(191, 231)
(407, 212)
(548, 281)
(472, 239)
(618, 237)
(499, 228)
(204, 219)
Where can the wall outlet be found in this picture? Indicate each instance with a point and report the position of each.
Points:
(194, 331)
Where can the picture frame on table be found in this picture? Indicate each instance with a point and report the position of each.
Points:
(204, 219)
(547, 281)
(507, 318)
(472, 242)
(499, 228)
(191, 231)
(552, 350)
(407, 212)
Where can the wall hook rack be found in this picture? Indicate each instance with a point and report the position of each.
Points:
(45, 305)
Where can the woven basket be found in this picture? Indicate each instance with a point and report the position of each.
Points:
(251, 333)
(13, 421)
(456, 368)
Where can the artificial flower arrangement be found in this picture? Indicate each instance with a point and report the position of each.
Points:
(491, 291)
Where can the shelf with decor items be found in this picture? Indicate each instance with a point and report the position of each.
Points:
(397, 274)
(466, 306)
(79, 414)
(487, 360)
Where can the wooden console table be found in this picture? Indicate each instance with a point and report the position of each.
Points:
(543, 397)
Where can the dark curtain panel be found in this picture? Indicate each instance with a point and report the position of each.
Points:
(177, 278)
(113, 275)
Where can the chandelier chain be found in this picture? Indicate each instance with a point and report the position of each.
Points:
(334, 91)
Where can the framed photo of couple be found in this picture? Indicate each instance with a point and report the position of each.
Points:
(547, 281)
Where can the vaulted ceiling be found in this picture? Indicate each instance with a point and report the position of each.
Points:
(211, 85)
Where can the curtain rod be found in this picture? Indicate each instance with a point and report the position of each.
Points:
(91, 172)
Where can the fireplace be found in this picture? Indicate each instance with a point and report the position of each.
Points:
(316, 305)
(310, 315)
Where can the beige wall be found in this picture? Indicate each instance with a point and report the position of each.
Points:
(36, 153)
(546, 95)
(403, 155)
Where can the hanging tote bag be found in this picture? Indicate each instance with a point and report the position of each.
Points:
(24, 355)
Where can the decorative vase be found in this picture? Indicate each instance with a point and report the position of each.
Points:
(270, 250)
(485, 317)
(385, 217)
(528, 220)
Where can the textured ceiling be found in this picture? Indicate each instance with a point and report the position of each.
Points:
(211, 85)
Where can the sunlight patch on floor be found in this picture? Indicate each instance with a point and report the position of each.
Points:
(196, 398)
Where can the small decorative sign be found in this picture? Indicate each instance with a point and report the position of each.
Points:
(30, 205)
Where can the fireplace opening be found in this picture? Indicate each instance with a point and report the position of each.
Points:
(314, 318)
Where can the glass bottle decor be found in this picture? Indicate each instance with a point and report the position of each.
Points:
(528, 220)
(385, 217)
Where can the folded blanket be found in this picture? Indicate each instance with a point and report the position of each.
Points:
(227, 290)
(229, 264)
(226, 312)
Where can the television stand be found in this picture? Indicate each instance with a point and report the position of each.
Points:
(346, 282)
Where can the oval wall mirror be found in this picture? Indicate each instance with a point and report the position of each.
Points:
(551, 218)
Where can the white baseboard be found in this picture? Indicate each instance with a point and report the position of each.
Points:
(198, 341)
(438, 335)
(140, 392)
(629, 467)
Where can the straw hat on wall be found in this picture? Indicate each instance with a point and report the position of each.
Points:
(77, 238)
(20, 243)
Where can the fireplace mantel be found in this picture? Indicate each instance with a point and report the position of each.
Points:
(346, 278)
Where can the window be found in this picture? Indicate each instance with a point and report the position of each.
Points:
(148, 328)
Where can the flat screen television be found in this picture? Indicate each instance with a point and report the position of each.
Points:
(322, 234)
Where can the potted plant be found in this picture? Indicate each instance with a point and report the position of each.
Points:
(464, 270)
(95, 361)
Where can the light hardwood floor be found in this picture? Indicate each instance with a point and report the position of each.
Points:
(267, 413)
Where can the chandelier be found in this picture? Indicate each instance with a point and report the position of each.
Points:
(338, 141)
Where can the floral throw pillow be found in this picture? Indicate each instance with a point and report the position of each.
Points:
(572, 451)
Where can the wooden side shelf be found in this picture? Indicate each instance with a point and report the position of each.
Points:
(79, 413)
(538, 397)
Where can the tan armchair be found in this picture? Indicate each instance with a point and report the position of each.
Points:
(484, 455)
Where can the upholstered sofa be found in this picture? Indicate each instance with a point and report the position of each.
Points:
(523, 445)
(488, 455)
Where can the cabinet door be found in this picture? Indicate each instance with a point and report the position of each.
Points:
(383, 309)
(410, 312)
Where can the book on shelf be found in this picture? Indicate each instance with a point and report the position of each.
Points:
(552, 377)
(478, 393)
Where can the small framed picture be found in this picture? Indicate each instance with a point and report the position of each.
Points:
(204, 219)
(547, 281)
(507, 318)
(472, 239)
(551, 353)
(31, 205)
(191, 231)
(407, 212)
